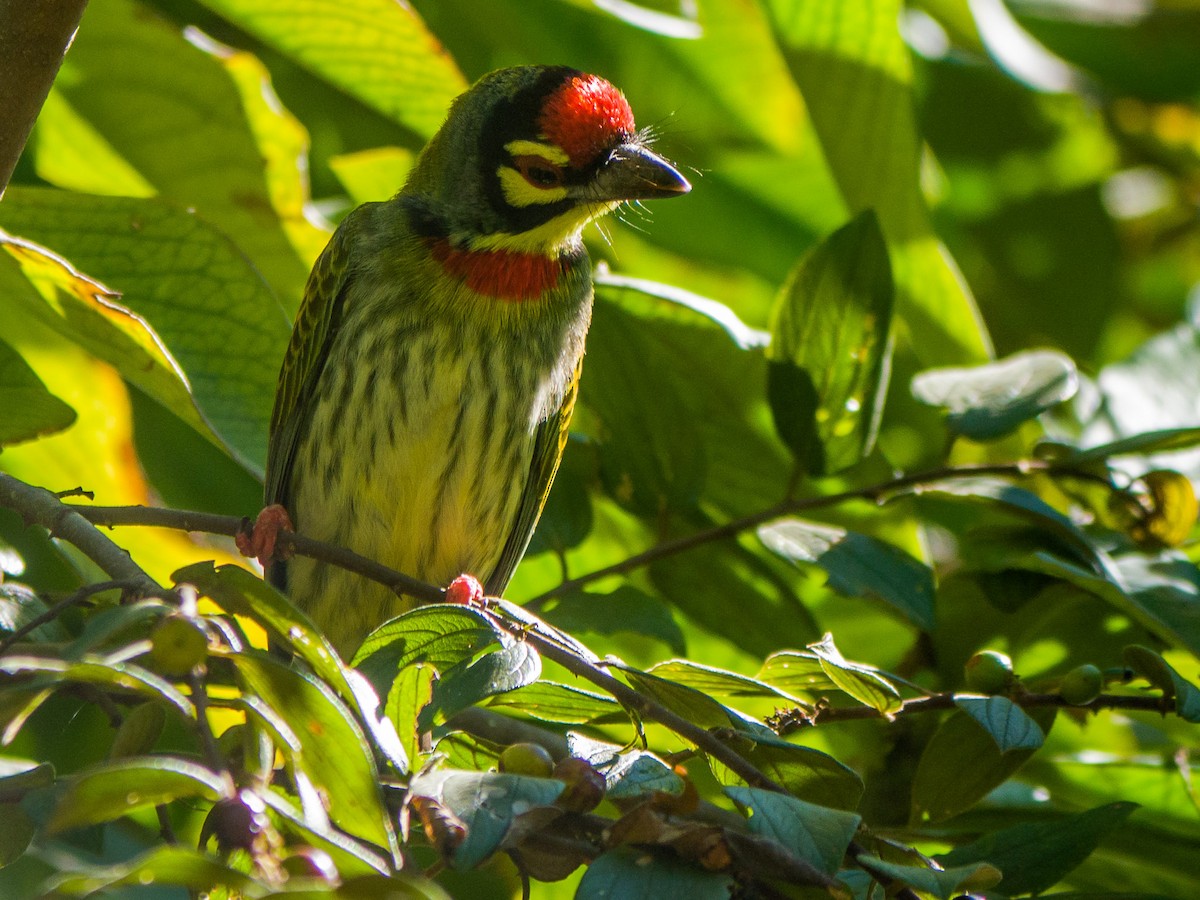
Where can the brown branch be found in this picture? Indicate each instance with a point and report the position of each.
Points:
(790, 721)
(80, 596)
(33, 41)
(38, 506)
(211, 523)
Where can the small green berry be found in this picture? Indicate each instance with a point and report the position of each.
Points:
(1081, 685)
(989, 672)
(178, 645)
(527, 759)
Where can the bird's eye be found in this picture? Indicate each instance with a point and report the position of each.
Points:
(538, 172)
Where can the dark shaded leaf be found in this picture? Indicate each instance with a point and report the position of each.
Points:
(857, 565)
(1035, 856)
(625, 609)
(816, 834)
(486, 803)
(630, 873)
(1007, 724)
(29, 409)
(963, 762)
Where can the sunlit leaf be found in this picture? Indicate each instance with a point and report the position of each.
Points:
(942, 883)
(334, 752)
(374, 50)
(989, 401)
(854, 70)
(832, 321)
(116, 788)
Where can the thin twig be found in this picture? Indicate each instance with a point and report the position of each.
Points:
(875, 493)
(790, 721)
(52, 613)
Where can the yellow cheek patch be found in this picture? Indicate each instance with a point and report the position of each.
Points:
(548, 152)
(549, 238)
(519, 192)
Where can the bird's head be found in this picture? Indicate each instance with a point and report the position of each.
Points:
(529, 155)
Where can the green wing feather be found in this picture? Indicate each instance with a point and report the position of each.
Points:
(549, 443)
(316, 325)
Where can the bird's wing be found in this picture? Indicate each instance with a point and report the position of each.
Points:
(316, 326)
(548, 445)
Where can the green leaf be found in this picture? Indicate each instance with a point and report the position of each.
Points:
(20, 605)
(201, 125)
(487, 803)
(1162, 675)
(816, 834)
(38, 288)
(627, 609)
(1007, 724)
(93, 670)
(441, 635)
(351, 857)
(832, 321)
(207, 305)
(1035, 856)
(806, 773)
(693, 705)
(795, 672)
(712, 680)
(20, 776)
(628, 774)
(169, 865)
(242, 593)
(515, 664)
(863, 683)
(854, 70)
(963, 762)
(558, 703)
(943, 884)
(29, 409)
(990, 401)
(857, 565)
(411, 692)
(1160, 441)
(626, 872)
(333, 749)
(114, 789)
(374, 50)
(16, 833)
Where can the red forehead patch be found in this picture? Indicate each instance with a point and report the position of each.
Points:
(585, 116)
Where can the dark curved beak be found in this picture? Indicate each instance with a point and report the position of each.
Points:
(633, 172)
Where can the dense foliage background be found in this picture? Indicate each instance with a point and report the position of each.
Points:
(881, 191)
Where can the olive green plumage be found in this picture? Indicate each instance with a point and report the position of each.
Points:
(423, 403)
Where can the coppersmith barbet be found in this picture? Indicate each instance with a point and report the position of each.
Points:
(423, 403)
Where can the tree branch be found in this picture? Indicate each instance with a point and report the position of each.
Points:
(794, 720)
(38, 506)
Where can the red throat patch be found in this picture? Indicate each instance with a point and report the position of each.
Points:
(499, 274)
(585, 116)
